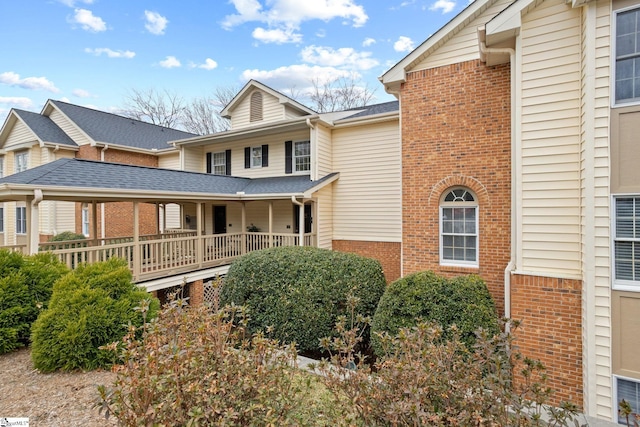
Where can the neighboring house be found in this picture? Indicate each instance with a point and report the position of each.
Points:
(520, 124)
(63, 130)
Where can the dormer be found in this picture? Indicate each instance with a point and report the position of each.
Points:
(257, 104)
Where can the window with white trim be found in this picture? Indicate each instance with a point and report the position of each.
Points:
(1, 219)
(302, 156)
(256, 157)
(628, 390)
(85, 219)
(22, 161)
(21, 220)
(626, 242)
(459, 228)
(219, 163)
(627, 65)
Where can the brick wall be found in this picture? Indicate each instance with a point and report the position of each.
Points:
(456, 131)
(388, 253)
(119, 216)
(551, 331)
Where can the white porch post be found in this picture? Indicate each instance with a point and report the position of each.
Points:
(243, 241)
(199, 239)
(301, 224)
(270, 224)
(33, 221)
(136, 241)
(94, 227)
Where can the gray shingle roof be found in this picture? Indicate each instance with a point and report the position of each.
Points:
(79, 173)
(45, 128)
(370, 110)
(113, 129)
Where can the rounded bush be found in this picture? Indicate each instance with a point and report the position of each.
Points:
(424, 296)
(297, 293)
(25, 288)
(67, 235)
(89, 308)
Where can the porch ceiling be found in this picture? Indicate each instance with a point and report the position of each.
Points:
(85, 180)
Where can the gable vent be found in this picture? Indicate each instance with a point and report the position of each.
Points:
(255, 113)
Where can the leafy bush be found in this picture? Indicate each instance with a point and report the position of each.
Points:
(90, 307)
(423, 379)
(193, 366)
(25, 289)
(464, 301)
(299, 292)
(67, 235)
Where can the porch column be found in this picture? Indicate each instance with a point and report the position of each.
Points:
(199, 239)
(243, 241)
(136, 241)
(94, 228)
(270, 224)
(301, 224)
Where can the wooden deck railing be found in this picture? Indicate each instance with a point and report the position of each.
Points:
(168, 254)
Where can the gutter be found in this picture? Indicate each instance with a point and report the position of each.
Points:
(511, 265)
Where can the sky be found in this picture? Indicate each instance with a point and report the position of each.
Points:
(94, 53)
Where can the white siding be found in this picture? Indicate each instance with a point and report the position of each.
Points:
(367, 197)
(194, 159)
(19, 134)
(323, 148)
(272, 110)
(550, 128)
(169, 161)
(324, 217)
(463, 46)
(65, 217)
(69, 128)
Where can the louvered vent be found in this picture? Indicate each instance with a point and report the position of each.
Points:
(255, 115)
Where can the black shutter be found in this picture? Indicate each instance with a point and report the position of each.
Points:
(247, 157)
(228, 162)
(208, 162)
(265, 156)
(288, 157)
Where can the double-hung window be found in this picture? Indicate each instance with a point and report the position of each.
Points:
(22, 161)
(219, 163)
(85, 220)
(459, 228)
(302, 156)
(256, 157)
(626, 242)
(21, 220)
(627, 67)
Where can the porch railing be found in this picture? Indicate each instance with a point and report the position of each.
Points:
(171, 253)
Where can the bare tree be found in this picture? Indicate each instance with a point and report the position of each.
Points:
(202, 116)
(342, 93)
(160, 108)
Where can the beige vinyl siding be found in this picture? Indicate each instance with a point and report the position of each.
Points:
(194, 159)
(169, 161)
(10, 223)
(65, 216)
(290, 113)
(550, 129)
(20, 134)
(464, 45)
(367, 197)
(272, 110)
(276, 154)
(69, 128)
(323, 148)
(324, 218)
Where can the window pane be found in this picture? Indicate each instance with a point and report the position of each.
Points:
(629, 391)
(624, 89)
(625, 44)
(624, 69)
(256, 156)
(624, 261)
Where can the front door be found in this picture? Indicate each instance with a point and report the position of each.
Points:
(219, 219)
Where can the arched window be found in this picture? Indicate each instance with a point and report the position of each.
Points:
(459, 228)
(255, 113)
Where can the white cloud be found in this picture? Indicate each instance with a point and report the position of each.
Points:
(156, 23)
(343, 57)
(88, 21)
(283, 17)
(403, 44)
(298, 76)
(16, 101)
(276, 35)
(81, 93)
(72, 3)
(111, 53)
(445, 5)
(209, 64)
(32, 83)
(368, 42)
(170, 62)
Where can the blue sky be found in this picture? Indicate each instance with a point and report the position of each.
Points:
(94, 52)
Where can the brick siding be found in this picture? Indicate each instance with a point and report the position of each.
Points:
(388, 253)
(456, 131)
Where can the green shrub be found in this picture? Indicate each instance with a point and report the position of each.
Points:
(464, 301)
(25, 288)
(67, 235)
(426, 380)
(298, 292)
(89, 308)
(193, 366)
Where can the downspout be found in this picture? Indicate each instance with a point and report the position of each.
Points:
(103, 232)
(300, 220)
(511, 265)
(313, 143)
(34, 226)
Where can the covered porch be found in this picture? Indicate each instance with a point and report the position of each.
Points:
(220, 218)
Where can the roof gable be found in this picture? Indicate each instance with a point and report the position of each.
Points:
(253, 84)
(44, 130)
